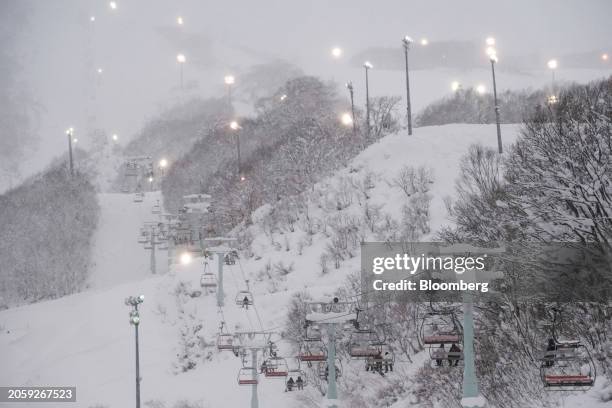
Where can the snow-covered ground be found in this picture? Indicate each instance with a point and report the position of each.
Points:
(86, 340)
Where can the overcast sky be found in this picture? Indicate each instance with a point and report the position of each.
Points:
(136, 44)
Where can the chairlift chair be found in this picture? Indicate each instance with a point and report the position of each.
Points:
(244, 298)
(439, 329)
(275, 367)
(208, 279)
(247, 376)
(225, 341)
(138, 197)
(569, 367)
(143, 237)
(312, 351)
(156, 209)
(230, 258)
(364, 344)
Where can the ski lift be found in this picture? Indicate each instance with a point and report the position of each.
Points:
(156, 209)
(364, 344)
(438, 356)
(275, 367)
(315, 351)
(247, 376)
(313, 332)
(566, 365)
(225, 341)
(208, 279)
(244, 298)
(230, 258)
(138, 197)
(440, 328)
(384, 359)
(143, 237)
(296, 380)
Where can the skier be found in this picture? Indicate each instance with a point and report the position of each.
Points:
(454, 349)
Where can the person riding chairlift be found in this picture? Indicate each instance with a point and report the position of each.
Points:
(290, 384)
(245, 302)
(440, 352)
(299, 382)
(454, 349)
(549, 357)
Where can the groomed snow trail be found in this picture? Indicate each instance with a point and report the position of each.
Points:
(117, 256)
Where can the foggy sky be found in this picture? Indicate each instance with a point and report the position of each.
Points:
(136, 45)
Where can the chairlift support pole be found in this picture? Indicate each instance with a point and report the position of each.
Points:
(220, 294)
(471, 393)
(332, 391)
(153, 265)
(254, 397)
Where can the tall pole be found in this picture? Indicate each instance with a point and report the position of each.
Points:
(406, 41)
(153, 265)
(499, 138)
(229, 97)
(366, 66)
(332, 391)
(181, 69)
(238, 151)
(349, 86)
(137, 366)
(254, 399)
(69, 133)
(220, 295)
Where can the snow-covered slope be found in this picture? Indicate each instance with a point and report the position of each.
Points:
(86, 340)
(117, 256)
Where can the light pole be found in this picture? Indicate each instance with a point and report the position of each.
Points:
(349, 86)
(70, 133)
(367, 66)
(236, 128)
(406, 42)
(229, 81)
(135, 321)
(553, 65)
(492, 53)
(163, 163)
(181, 59)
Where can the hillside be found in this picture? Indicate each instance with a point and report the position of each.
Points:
(95, 351)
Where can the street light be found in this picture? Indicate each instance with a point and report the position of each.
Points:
(134, 301)
(349, 86)
(604, 57)
(179, 20)
(346, 119)
(92, 18)
(553, 65)
(100, 70)
(180, 58)
(70, 134)
(367, 66)
(424, 42)
(283, 97)
(229, 81)
(186, 258)
(455, 86)
(236, 127)
(113, 5)
(115, 137)
(490, 41)
(336, 52)
(492, 53)
(406, 41)
(163, 163)
(481, 89)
